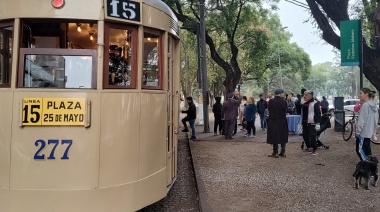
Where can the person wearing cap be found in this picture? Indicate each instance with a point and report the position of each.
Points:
(311, 116)
(229, 114)
(191, 116)
(277, 123)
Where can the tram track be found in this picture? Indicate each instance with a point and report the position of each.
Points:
(184, 195)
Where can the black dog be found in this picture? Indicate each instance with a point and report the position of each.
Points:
(366, 169)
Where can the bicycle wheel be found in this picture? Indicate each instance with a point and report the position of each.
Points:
(348, 130)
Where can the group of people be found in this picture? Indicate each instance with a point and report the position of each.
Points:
(235, 108)
(310, 112)
(273, 113)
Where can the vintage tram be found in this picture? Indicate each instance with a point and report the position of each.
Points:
(89, 104)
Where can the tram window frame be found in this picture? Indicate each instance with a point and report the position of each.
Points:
(56, 52)
(108, 26)
(4, 53)
(160, 39)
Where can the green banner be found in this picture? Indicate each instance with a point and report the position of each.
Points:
(349, 43)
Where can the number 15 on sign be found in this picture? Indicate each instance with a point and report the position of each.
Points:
(31, 111)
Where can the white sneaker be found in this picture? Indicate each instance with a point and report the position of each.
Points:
(246, 135)
(252, 136)
(314, 153)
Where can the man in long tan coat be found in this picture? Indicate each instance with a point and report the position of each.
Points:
(277, 123)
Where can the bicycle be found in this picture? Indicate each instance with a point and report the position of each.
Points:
(348, 127)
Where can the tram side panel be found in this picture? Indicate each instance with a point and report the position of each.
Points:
(153, 123)
(54, 157)
(5, 136)
(119, 139)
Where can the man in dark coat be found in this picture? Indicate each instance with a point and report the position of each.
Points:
(277, 123)
(191, 116)
(217, 110)
(229, 114)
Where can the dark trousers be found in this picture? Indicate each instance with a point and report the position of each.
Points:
(218, 122)
(236, 124)
(363, 147)
(191, 122)
(275, 148)
(229, 127)
(309, 134)
(251, 125)
(263, 120)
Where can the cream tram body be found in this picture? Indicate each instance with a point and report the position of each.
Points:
(89, 104)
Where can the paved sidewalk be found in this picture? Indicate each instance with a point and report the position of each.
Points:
(237, 175)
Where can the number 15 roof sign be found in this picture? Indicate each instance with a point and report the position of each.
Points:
(124, 9)
(55, 112)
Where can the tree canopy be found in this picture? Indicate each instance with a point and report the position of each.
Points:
(329, 13)
(243, 38)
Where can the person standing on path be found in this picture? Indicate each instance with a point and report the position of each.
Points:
(324, 105)
(277, 123)
(229, 114)
(291, 104)
(191, 116)
(217, 110)
(367, 123)
(241, 111)
(250, 117)
(261, 106)
(311, 116)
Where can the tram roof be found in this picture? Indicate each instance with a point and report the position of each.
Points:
(161, 6)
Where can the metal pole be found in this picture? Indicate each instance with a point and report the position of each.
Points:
(199, 72)
(279, 65)
(361, 53)
(202, 30)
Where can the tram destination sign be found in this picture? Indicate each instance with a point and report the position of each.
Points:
(53, 111)
(123, 9)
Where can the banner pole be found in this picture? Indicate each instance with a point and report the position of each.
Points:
(361, 67)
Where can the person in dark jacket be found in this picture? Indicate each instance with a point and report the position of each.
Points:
(311, 116)
(217, 110)
(277, 123)
(191, 116)
(261, 106)
(229, 114)
(250, 116)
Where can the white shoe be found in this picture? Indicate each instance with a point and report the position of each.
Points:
(246, 135)
(252, 136)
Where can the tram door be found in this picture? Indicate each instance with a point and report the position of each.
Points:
(171, 156)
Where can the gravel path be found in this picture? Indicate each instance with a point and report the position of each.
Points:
(238, 175)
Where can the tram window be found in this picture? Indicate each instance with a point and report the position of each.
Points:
(58, 54)
(151, 77)
(59, 34)
(6, 32)
(57, 68)
(120, 57)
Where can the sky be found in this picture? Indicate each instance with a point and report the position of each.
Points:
(304, 34)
